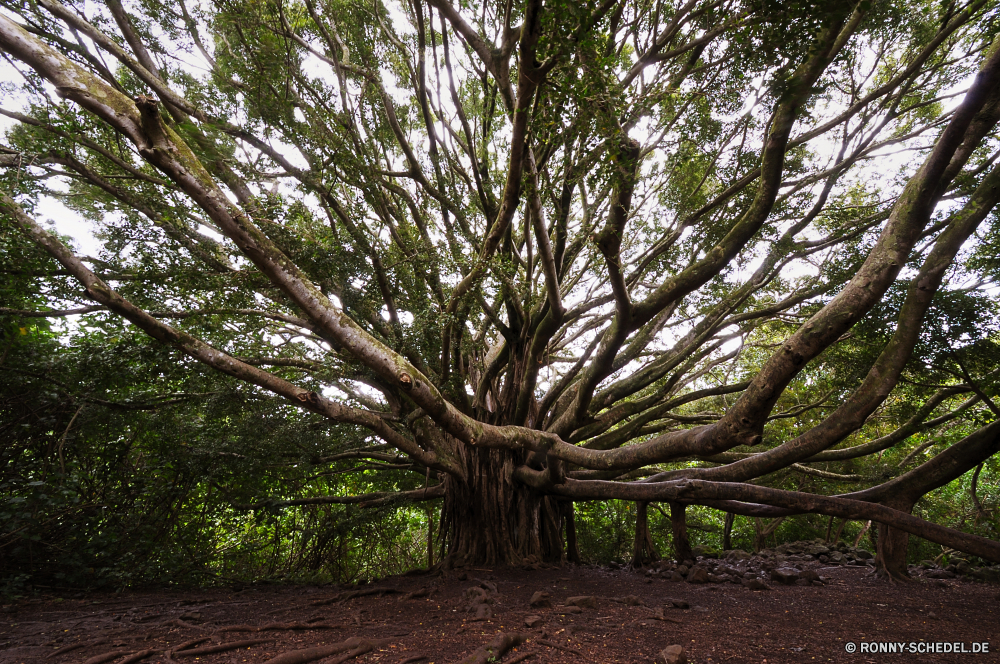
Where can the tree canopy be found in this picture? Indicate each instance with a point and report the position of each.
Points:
(733, 253)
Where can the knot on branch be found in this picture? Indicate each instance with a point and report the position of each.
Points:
(405, 381)
(149, 115)
(310, 398)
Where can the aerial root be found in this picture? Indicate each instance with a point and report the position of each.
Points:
(495, 649)
(351, 648)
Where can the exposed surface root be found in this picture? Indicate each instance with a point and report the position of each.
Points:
(351, 594)
(495, 649)
(278, 627)
(520, 658)
(351, 648)
(77, 646)
(192, 643)
(106, 657)
(139, 656)
(222, 647)
(551, 644)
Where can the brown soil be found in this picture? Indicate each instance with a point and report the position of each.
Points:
(725, 622)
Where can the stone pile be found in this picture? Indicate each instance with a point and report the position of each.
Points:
(793, 563)
(956, 568)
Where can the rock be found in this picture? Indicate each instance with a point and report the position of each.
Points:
(540, 600)
(566, 610)
(194, 615)
(697, 575)
(816, 550)
(630, 600)
(836, 557)
(671, 655)
(939, 574)
(737, 554)
(676, 603)
(987, 574)
(488, 585)
(583, 601)
(483, 612)
(809, 575)
(675, 576)
(755, 584)
(682, 570)
(785, 575)
(824, 559)
(802, 582)
(533, 621)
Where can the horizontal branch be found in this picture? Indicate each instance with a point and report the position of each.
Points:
(365, 500)
(696, 491)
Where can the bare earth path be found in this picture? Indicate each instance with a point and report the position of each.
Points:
(433, 619)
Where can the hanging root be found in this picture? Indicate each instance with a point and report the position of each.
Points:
(495, 649)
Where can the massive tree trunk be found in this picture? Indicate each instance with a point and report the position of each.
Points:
(492, 519)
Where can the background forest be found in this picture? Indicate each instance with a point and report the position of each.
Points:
(121, 469)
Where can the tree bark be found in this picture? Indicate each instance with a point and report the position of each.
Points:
(572, 548)
(892, 544)
(643, 549)
(491, 519)
(678, 524)
(727, 533)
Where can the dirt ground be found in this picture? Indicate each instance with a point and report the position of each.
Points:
(429, 618)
